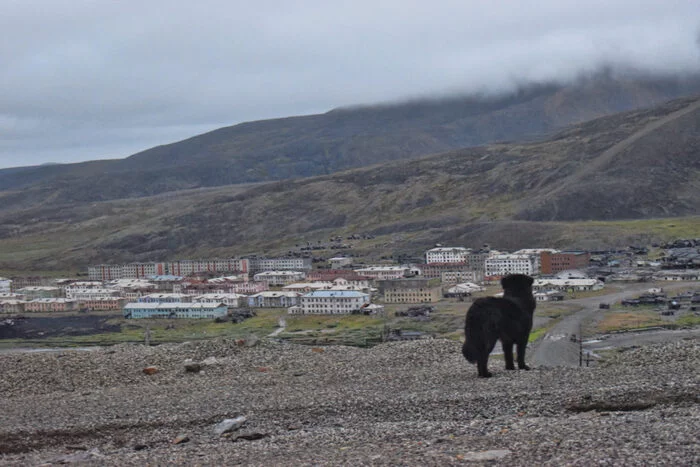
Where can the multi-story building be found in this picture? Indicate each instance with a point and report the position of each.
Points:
(164, 298)
(306, 287)
(457, 277)
(331, 302)
(5, 285)
(175, 310)
(279, 264)
(185, 267)
(438, 270)
(11, 296)
(40, 291)
(188, 267)
(567, 285)
(279, 278)
(340, 262)
(476, 261)
(273, 299)
(501, 265)
(333, 274)
(447, 255)
(231, 300)
(51, 304)
(106, 272)
(554, 262)
(91, 294)
(411, 290)
(384, 272)
(102, 304)
(12, 306)
(536, 253)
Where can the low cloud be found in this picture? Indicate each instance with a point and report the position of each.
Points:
(89, 80)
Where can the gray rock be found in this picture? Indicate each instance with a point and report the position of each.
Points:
(229, 424)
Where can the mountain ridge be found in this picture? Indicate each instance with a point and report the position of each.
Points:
(501, 194)
(341, 139)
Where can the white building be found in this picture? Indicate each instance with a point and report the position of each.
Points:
(447, 255)
(5, 285)
(279, 278)
(536, 253)
(280, 264)
(455, 277)
(339, 262)
(164, 298)
(332, 302)
(273, 299)
(501, 265)
(384, 272)
(175, 310)
(231, 300)
(91, 294)
(305, 287)
(564, 285)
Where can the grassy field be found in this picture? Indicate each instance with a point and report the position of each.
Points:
(625, 320)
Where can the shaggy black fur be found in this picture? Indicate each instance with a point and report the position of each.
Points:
(508, 319)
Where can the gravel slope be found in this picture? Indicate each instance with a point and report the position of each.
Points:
(408, 403)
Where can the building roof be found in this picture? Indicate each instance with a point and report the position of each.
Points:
(336, 294)
(448, 249)
(172, 306)
(276, 293)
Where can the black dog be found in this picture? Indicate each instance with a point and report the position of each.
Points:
(508, 319)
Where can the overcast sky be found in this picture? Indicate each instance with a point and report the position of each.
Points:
(82, 80)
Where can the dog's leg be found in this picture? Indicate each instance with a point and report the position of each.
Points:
(482, 366)
(521, 356)
(508, 354)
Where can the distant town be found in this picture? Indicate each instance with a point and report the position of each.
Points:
(216, 288)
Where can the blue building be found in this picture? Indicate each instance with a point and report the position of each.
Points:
(175, 310)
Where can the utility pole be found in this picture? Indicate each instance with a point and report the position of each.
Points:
(580, 346)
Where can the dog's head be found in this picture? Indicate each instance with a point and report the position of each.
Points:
(517, 283)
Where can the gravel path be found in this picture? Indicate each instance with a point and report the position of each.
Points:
(406, 403)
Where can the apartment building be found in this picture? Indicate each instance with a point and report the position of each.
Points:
(274, 299)
(51, 305)
(458, 277)
(553, 262)
(279, 278)
(438, 271)
(12, 306)
(447, 255)
(339, 262)
(411, 290)
(185, 267)
(231, 300)
(384, 272)
(164, 298)
(279, 264)
(40, 291)
(567, 285)
(504, 264)
(102, 304)
(91, 294)
(175, 310)
(5, 285)
(331, 302)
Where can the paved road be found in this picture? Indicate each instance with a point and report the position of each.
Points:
(556, 348)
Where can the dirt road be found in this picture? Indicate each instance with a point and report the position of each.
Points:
(557, 349)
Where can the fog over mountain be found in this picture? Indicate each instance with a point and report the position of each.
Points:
(106, 80)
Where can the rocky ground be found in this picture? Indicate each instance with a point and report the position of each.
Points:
(406, 403)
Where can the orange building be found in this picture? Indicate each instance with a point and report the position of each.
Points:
(552, 263)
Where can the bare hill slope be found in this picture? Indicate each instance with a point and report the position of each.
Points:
(635, 165)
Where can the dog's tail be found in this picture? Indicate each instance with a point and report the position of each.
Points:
(469, 351)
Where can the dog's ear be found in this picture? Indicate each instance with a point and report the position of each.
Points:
(507, 282)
